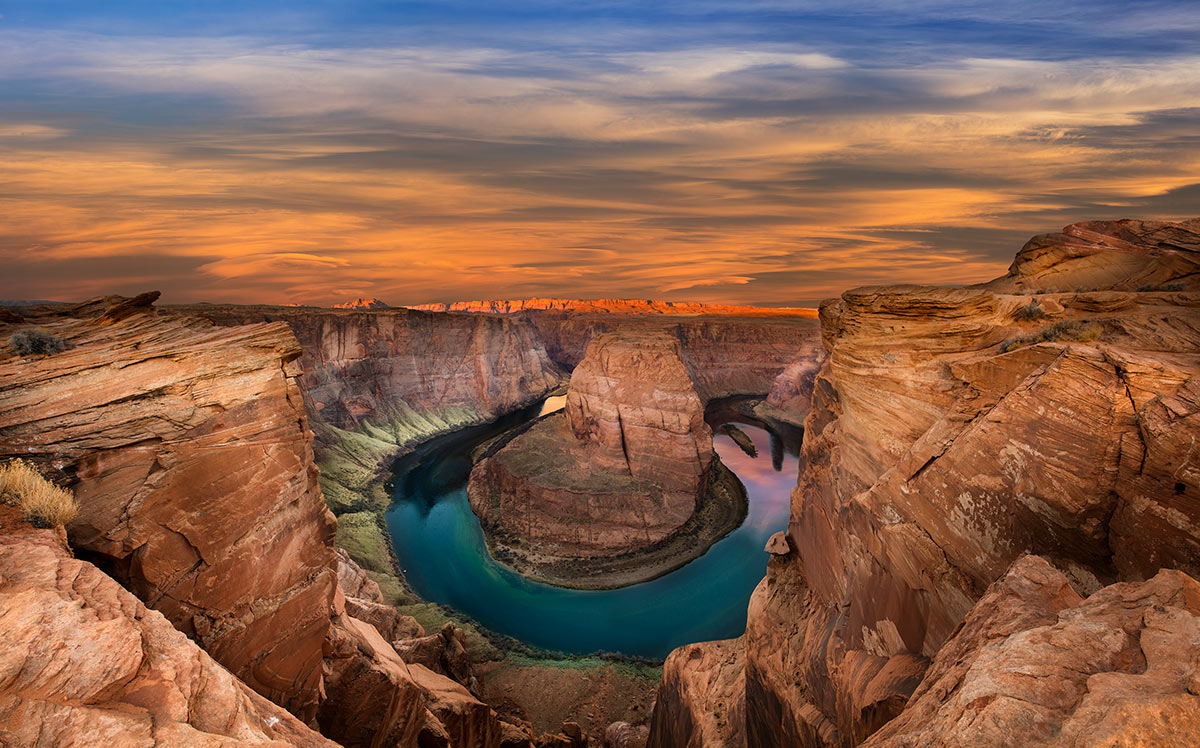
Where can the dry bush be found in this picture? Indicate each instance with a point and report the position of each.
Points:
(1067, 330)
(37, 342)
(1030, 312)
(44, 504)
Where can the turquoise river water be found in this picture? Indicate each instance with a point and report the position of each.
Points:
(441, 548)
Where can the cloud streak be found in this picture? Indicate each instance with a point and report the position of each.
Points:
(713, 162)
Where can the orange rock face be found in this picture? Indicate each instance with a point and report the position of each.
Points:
(954, 430)
(85, 662)
(620, 469)
(189, 453)
(633, 401)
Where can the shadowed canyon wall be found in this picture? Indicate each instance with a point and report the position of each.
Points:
(952, 431)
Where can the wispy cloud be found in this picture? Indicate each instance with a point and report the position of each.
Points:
(712, 161)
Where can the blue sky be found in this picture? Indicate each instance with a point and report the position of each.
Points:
(757, 152)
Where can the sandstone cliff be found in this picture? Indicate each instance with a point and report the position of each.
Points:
(623, 468)
(189, 451)
(379, 382)
(84, 662)
(952, 431)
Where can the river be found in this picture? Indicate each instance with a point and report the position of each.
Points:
(441, 548)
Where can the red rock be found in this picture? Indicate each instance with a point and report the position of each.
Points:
(361, 303)
(190, 455)
(701, 699)
(952, 431)
(375, 699)
(1033, 664)
(622, 468)
(85, 662)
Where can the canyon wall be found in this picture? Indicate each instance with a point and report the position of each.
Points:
(188, 449)
(726, 355)
(954, 430)
(620, 307)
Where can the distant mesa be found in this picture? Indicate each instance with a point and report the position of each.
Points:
(371, 303)
(608, 306)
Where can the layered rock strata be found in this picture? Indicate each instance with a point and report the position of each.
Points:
(952, 431)
(84, 662)
(188, 449)
(621, 469)
(725, 355)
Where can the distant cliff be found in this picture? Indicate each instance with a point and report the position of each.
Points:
(621, 307)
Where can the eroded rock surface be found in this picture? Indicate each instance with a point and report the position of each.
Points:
(621, 469)
(954, 430)
(1034, 664)
(188, 449)
(84, 662)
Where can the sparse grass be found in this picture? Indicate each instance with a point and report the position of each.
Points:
(1030, 312)
(43, 503)
(1176, 286)
(1067, 330)
(35, 341)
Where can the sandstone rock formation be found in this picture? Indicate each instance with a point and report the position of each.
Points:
(621, 469)
(1034, 664)
(632, 399)
(389, 684)
(379, 382)
(702, 698)
(952, 431)
(790, 397)
(726, 355)
(84, 662)
(189, 453)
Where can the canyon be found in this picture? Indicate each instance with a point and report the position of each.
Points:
(993, 533)
(192, 439)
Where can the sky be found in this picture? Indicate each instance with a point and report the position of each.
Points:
(757, 152)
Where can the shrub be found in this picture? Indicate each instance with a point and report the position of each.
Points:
(44, 504)
(1030, 312)
(37, 342)
(1067, 330)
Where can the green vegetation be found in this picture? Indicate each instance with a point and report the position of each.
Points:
(1067, 330)
(359, 533)
(35, 341)
(624, 666)
(43, 503)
